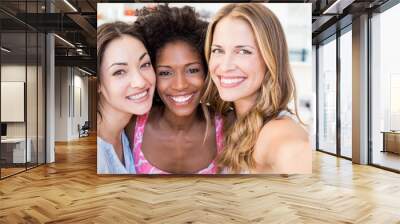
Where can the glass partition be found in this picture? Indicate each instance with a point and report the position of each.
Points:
(41, 87)
(346, 94)
(385, 89)
(13, 95)
(327, 96)
(31, 99)
(22, 89)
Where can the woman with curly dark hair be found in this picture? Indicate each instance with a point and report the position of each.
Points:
(177, 135)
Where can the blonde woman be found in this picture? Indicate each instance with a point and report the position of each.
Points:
(250, 73)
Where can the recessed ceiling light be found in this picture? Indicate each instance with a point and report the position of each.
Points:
(86, 72)
(64, 40)
(5, 50)
(337, 7)
(70, 5)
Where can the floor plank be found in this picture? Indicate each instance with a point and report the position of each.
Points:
(70, 191)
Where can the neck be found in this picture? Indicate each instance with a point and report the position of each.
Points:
(178, 123)
(244, 105)
(111, 123)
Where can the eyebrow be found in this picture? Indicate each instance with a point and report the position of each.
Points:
(141, 57)
(168, 66)
(117, 63)
(125, 63)
(241, 46)
(237, 46)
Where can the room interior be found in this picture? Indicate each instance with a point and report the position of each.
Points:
(48, 92)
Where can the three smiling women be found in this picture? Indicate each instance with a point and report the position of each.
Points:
(221, 101)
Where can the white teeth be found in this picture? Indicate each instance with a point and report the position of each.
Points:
(231, 80)
(138, 96)
(181, 99)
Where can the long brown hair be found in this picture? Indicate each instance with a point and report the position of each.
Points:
(105, 34)
(276, 91)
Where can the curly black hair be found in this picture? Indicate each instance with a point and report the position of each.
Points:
(166, 24)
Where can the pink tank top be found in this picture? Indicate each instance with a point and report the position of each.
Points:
(143, 166)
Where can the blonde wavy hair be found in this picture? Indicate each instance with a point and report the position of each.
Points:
(275, 93)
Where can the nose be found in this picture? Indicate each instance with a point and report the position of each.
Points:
(137, 80)
(180, 82)
(226, 63)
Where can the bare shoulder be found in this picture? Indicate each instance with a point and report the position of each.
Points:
(283, 147)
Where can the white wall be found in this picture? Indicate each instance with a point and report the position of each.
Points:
(61, 103)
(33, 126)
(70, 83)
(16, 73)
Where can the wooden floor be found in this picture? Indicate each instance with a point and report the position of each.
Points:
(388, 159)
(70, 191)
(5, 172)
(10, 171)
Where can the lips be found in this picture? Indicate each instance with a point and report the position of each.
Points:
(231, 81)
(139, 97)
(181, 99)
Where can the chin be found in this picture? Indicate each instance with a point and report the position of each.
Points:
(142, 109)
(184, 112)
(228, 97)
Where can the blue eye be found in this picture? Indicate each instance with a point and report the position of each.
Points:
(216, 51)
(244, 51)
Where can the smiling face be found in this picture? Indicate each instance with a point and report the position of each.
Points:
(180, 77)
(236, 65)
(127, 77)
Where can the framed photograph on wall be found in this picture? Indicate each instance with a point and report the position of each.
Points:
(204, 88)
(12, 101)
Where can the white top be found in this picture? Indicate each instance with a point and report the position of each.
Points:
(108, 161)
